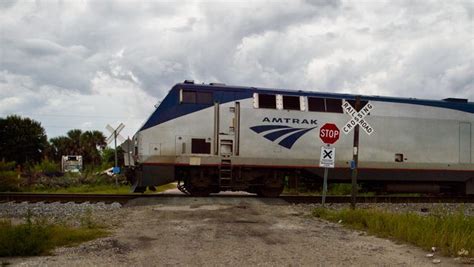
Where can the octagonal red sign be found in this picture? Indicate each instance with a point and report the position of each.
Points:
(329, 133)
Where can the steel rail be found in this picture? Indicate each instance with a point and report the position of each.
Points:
(379, 199)
(296, 199)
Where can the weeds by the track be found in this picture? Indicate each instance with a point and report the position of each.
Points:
(451, 233)
(90, 189)
(99, 189)
(38, 237)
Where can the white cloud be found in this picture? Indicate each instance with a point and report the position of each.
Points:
(96, 57)
(111, 101)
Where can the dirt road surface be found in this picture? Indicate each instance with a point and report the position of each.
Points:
(232, 232)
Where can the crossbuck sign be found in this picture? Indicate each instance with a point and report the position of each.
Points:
(357, 118)
(328, 157)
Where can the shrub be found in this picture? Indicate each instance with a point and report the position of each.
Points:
(39, 237)
(341, 189)
(47, 167)
(9, 178)
(450, 232)
(7, 166)
(24, 239)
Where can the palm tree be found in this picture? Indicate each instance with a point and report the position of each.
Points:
(92, 142)
(75, 146)
(87, 144)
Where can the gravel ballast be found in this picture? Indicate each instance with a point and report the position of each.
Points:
(226, 231)
(70, 212)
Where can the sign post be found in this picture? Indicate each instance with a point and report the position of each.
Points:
(358, 115)
(329, 134)
(115, 134)
(326, 160)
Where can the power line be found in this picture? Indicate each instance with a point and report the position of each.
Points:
(70, 116)
(68, 127)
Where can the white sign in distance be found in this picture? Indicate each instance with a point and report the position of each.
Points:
(328, 157)
(358, 118)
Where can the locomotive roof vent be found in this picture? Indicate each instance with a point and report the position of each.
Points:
(189, 81)
(457, 100)
(218, 84)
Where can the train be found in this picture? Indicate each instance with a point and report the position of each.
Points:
(215, 137)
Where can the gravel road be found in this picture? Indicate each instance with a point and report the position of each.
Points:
(229, 231)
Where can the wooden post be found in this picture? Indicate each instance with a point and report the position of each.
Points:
(355, 158)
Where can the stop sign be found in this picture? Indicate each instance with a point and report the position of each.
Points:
(329, 133)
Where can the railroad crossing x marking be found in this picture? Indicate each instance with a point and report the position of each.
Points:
(327, 154)
(327, 158)
(357, 118)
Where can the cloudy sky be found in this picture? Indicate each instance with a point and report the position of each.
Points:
(83, 64)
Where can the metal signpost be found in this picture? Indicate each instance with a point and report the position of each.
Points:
(326, 160)
(358, 119)
(115, 134)
(329, 134)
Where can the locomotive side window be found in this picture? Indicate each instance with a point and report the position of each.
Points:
(204, 98)
(266, 101)
(196, 97)
(200, 146)
(334, 105)
(188, 97)
(316, 104)
(291, 102)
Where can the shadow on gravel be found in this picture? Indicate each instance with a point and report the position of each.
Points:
(200, 201)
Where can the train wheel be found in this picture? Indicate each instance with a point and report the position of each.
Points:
(139, 189)
(200, 192)
(269, 192)
(273, 185)
(199, 185)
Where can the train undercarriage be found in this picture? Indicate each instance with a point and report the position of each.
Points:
(202, 181)
(270, 182)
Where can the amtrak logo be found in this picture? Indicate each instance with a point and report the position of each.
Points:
(273, 132)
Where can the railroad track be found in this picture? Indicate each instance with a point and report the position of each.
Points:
(124, 198)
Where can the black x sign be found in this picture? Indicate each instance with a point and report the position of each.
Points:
(327, 154)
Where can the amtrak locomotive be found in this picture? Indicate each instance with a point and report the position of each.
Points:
(214, 137)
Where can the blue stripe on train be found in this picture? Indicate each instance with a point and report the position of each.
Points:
(170, 108)
(277, 131)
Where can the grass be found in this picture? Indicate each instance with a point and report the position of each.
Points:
(39, 237)
(92, 189)
(451, 234)
(99, 189)
(342, 189)
(338, 189)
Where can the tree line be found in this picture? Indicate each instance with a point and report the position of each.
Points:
(24, 141)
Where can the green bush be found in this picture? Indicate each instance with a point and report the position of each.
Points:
(450, 233)
(9, 178)
(7, 166)
(45, 177)
(24, 239)
(47, 166)
(39, 237)
(339, 189)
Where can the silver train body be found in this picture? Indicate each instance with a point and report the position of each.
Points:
(214, 138)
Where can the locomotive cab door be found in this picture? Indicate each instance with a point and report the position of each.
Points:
(226, 129)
